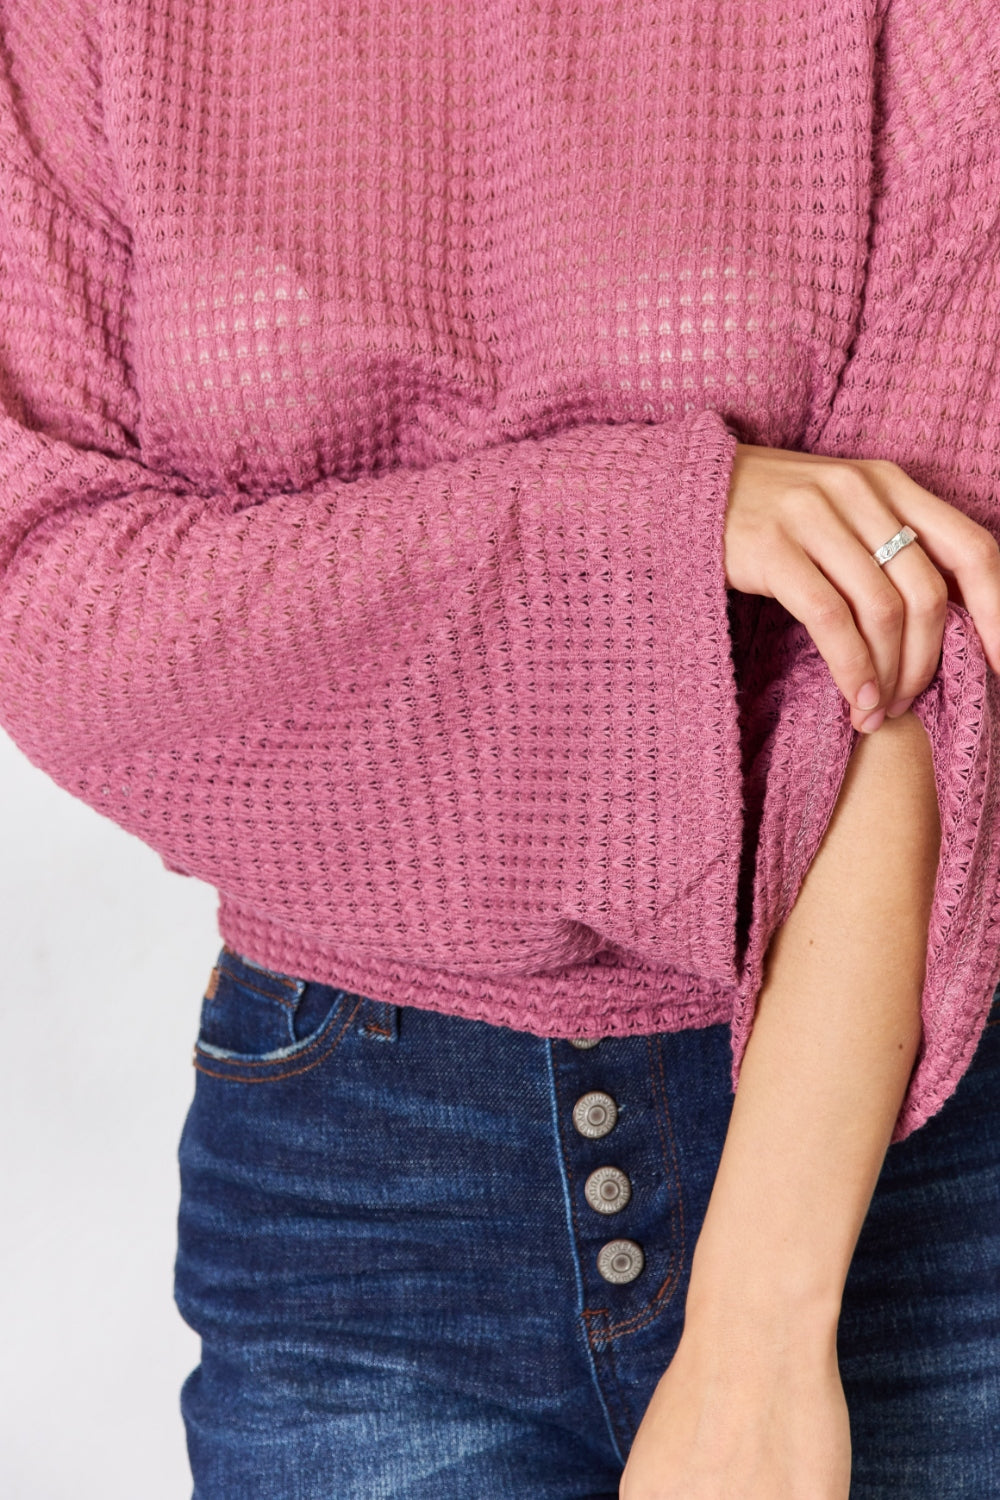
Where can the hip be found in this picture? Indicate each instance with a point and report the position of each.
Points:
(474, 1243)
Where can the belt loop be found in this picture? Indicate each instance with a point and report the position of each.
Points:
(379, 1020)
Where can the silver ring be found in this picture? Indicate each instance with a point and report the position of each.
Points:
(895, 544)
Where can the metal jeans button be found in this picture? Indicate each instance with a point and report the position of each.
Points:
(607, 1190)
(620, 1261)
(594, 1114)
(584, 1043)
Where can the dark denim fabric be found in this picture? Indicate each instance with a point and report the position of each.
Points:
(387, 1251)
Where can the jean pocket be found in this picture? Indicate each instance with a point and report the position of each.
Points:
(258, 1025)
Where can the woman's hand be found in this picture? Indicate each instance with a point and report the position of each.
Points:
(750, 1423)
(801, 528)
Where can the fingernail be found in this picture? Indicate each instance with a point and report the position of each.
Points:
(868, 696)
(873, 721)
(895, 709)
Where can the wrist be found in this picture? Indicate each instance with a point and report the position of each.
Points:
(733, 1299)
(727, 1341)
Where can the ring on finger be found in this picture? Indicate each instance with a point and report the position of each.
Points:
(900, 539)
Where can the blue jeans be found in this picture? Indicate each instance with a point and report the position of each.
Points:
(393, 1241)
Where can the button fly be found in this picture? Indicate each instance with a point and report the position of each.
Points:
(595, 1114)
(607, 1190)
(620, 1261)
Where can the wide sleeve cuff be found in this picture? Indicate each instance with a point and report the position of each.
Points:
(798, 740)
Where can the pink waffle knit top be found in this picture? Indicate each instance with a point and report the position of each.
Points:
(370, 384)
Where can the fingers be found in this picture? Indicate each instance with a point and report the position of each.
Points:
(925, 598)
(899, 621)
(955, 544)
(877, 608)
(797, 583)
(802, 528)
(869, 501)
(899, 608)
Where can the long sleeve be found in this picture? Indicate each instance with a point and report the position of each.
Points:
(365, 448)
(479, 716)
(922, 387)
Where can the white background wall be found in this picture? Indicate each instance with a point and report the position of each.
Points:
(103, 962)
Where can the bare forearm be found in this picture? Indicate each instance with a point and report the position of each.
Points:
(827, 1064)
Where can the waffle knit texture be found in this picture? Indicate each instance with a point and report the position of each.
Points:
(371, 378)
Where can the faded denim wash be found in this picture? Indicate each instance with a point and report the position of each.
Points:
(385, 1246)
